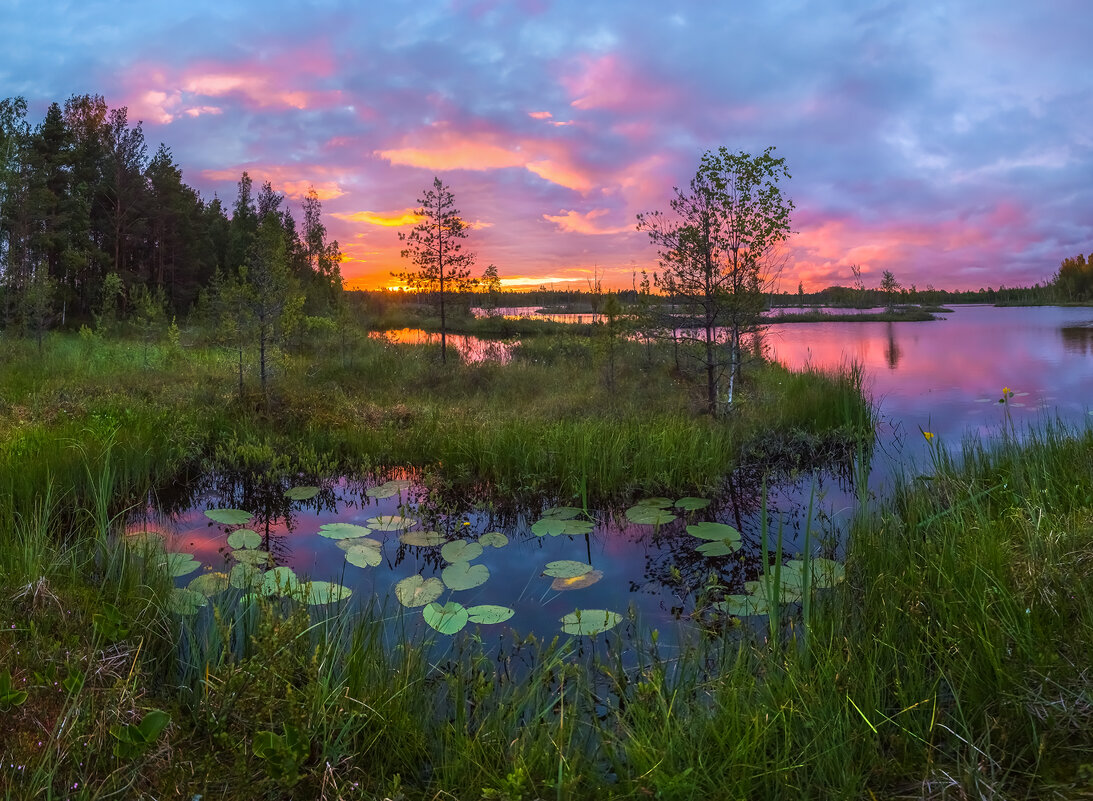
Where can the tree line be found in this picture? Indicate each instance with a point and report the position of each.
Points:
(93, 227)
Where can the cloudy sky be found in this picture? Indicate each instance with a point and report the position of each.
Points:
(949, 142)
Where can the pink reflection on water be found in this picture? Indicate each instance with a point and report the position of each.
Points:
(471, 349)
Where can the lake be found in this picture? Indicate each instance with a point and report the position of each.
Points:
(945, 377)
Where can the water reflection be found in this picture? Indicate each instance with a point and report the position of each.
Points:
(471, 349)
(1077, 339)
(892, 352)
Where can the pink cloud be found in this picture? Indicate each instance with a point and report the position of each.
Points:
(574, 222)
(609, 82)
(293, 180)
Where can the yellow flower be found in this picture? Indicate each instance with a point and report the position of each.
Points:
(1005, 391)
(929, 435)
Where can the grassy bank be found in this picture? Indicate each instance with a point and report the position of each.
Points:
(952, 662)
(909, 314)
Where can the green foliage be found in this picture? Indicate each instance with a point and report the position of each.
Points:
(9, 695)
(135, 739)
(283, 754)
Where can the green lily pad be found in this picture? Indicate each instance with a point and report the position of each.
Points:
(658, 503)
(280, 581)
(489, 613)
(825, 572)
(447, 619)
(590, 621)
(244, 538)
(787, 593)
(322, 592)
(562, 512)
(649, 515)
(719, 548)
(301, 493)
(388, 489)
(390, 522)
(343, 531)
(493, 539)
(181, 564)
(368, 553)
(577, 582)
(245, 577)
(460, 551)
(249, 556)
(422, 539)
(229, 517)
(575, 528)
(418, 591)
(209, 584)
(185, 602)
(743, 605)
(566, 568)
(692, 504)
(464, 575)
(548, 526)
(713, 531)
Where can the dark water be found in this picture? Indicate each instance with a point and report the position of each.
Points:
(945, 377)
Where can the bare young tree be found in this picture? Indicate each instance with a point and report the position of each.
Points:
(435, 247)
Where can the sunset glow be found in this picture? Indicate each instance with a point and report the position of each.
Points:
(916, 144)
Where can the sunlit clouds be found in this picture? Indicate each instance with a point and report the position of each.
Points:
(949, 144)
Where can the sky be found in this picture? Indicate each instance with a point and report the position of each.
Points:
(948, 142)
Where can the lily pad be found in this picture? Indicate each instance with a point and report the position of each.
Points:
(245, 577)
(418, 591)
(692, 504)
(562, 512)
(590, 621)
(323, 592)
(713, 531)
(649, 515)
(343, 531)
(787, 593)
(181, 564)
(566, 568)
(548, 526)
(229, 517)
(280, 581)
(301, 493)
(658, 503)
(244, 538)
(368, 553)
(447, 619)
(249, 556)
(390, 522)
(493, 539)
(489, 613)
(464, 575)
(460, 551)
(185, 602)
(743, 605)
(422, 539)
(575, 528)
(209, 584)
(719, 548)
(577, 582)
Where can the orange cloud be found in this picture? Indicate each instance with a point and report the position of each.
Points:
(389, 219)
(540, 115)
(576, 223)
(292, 180)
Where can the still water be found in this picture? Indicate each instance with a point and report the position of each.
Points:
(945, 377)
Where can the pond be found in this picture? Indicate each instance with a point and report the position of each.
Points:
(945, 377)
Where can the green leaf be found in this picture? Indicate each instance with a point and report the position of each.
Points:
(301, 493)
(566, 568)
(577, 582)
(489, 613)
(343, 531)
(280, 581)
(185, 602)
(460, 551)
(151, 541)
(548, 526)
(368, 553)
(692, 504)
(244, 538)
(464, 575)
(713, 531)
(720, 548)
(181, 564)
(209, 584)
(229, 517)
(152, 724)
(422, 539)
(648, 515)
(249, 556)
(657, 503)
(323, 592)
(590, 621)
(417, 591)
(447, 619)
(575, 528)
(493, 539)
(245, 577)
(562, 512)
(390, 522)
(743, 605)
